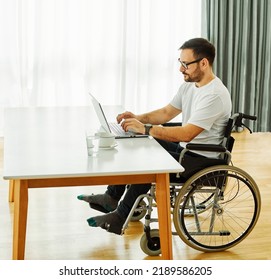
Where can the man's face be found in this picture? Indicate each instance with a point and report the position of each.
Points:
(193, 73)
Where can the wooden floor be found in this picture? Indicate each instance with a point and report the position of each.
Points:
(57, 227)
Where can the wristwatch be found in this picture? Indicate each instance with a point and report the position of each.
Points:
(148, 126)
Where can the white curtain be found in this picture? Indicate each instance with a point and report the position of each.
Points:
(52, 52)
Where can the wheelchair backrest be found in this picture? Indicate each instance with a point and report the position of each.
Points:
(193, 165)
(234, 123)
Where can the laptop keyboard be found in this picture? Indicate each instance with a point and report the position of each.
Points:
(117, 129)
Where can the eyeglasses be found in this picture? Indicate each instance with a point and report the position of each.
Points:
(185, 65)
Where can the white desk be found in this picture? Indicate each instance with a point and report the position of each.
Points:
(45, 147)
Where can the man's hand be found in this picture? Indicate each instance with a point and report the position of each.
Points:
(133, 125)
(125, 115)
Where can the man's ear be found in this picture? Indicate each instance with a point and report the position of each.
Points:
(204, 62)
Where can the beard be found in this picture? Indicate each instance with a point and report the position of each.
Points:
(195, 77)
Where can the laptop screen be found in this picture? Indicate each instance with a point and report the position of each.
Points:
(100, 114)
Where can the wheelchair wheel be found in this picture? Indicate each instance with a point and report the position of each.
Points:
(223, 203)
(140, 211)
(151, 247)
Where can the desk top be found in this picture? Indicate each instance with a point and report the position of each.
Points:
(50, 143)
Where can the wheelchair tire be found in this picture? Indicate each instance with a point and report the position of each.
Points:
(140, 212)
(232, 210)
(152, 248)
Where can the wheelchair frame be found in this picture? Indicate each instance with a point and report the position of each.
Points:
(214, 209)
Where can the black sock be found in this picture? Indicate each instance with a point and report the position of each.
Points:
(111, 222)
(101, 202)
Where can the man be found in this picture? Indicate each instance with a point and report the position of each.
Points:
(205, 105)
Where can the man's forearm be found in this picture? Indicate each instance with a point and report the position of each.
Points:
(159, 116)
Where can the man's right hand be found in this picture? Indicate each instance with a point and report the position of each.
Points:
(125, 115)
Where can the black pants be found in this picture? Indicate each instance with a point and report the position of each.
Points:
(116, 191)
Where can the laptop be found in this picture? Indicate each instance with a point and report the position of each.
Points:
(114, 128)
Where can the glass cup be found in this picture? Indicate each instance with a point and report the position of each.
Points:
(92, 140)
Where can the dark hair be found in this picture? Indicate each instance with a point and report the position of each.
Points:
(201, 48)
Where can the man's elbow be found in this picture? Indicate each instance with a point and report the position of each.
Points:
(188, 138)
(189, 132)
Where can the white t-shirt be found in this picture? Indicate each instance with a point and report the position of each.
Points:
(208, 107)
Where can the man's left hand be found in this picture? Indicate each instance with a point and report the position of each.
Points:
(133, 125)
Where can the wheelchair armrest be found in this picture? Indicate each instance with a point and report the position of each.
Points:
(224, 158)
(206, 147)
(172, 124)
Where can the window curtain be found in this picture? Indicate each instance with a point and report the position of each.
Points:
(241, 32)
(53, 52)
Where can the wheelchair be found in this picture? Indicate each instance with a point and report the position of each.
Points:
(214, 206)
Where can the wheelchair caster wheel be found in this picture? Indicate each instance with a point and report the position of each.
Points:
(151, 247)
(140, 212)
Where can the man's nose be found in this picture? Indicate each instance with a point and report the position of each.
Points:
(182, 69)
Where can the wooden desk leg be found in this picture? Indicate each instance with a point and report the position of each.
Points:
(164, 216)
(20, 218)
(11, 191)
